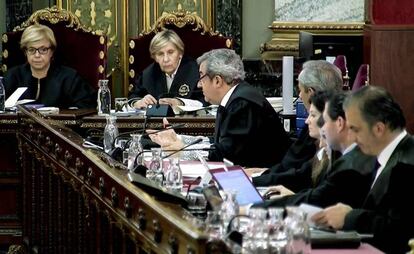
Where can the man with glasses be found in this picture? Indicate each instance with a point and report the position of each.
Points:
(47, 82)
(248, 130)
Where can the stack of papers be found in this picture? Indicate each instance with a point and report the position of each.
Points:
(13, 99)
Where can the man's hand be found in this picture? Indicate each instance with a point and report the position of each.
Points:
(333, 216)
(278, 191)
(252, 171)
(171, 101)
(168, 140)
(144, 102)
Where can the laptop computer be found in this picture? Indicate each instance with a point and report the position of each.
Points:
(236, 179)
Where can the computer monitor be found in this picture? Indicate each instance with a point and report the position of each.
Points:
(316, 46)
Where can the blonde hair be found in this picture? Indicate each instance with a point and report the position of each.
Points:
(35, 33)
(162, 38)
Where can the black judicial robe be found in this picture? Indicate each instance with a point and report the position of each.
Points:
(297, 157)
(347, 181)
(63, 87)
(388, 212)
(153, 81)
(248, 131)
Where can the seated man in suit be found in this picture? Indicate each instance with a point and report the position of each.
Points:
(377, 125)
(316, 75)
(172, 78)
(352, 167)
(47, 83)
(248, 130)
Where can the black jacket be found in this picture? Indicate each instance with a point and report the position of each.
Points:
(388, 212)
(62, 87)
(153, 81)
(347, 181)
(249, 132)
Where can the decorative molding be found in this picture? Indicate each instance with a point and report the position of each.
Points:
(285, 38)
(54, 15)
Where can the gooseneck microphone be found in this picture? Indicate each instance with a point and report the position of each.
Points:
(183, 148)
(142, 169)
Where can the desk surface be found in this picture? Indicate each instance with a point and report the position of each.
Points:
(363, 249)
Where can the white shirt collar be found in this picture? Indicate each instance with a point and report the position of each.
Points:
(386, 153)
(170, 78)
(227, 96)
(349, 148)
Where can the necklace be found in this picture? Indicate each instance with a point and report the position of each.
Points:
(38, 89)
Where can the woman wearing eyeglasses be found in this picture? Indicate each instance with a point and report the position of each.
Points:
(47, 83)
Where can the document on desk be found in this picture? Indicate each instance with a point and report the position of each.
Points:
(196, 169)
(12, 101)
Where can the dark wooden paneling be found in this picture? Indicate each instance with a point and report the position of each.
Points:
(392, 62)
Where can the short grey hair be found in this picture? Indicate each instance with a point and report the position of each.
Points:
(161, 39)
(320, 75)
(224, 63)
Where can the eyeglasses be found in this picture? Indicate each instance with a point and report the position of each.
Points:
(203, 76)
(41, 50)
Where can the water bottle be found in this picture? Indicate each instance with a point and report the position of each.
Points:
(174, 176)
(110, 133)
(135, 149)
(2, 96)
(104, 98)
(155, 167)
(298, 241)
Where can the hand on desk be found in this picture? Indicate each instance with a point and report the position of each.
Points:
(333, 216)
(145, 101)
(171, 101)
(277, 191)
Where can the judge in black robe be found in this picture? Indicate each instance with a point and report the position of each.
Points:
(63, 87)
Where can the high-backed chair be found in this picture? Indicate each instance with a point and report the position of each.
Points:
(196, 35)
(340, 62)
(77, 46)
(362, 77)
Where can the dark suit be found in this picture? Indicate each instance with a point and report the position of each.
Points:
(153, 81)
(298, 156)
(347, 181)
(249, 132)
(388, 211)
(62, 87)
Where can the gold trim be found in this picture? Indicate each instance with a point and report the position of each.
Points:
(131, 73)
(102, 40)
(5, 53)
(285, 25)
(285, 38)
(4, 68)
(131, 59)
(4, 38)
(53, 15)
(124, 43)
(101, 54)
(101, 69)
(131, 44)
(180, 19)
(229, 43)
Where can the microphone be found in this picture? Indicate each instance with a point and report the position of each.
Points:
(184, 147)
(116, 152)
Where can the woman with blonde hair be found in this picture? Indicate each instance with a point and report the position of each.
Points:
(47, 83)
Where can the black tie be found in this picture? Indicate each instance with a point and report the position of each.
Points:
(375, 170)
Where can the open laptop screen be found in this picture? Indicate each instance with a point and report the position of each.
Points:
(235, 179)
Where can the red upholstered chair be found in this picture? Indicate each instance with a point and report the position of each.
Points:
(196, 35)
(77, 46)
(362, 77)
(340, 62)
